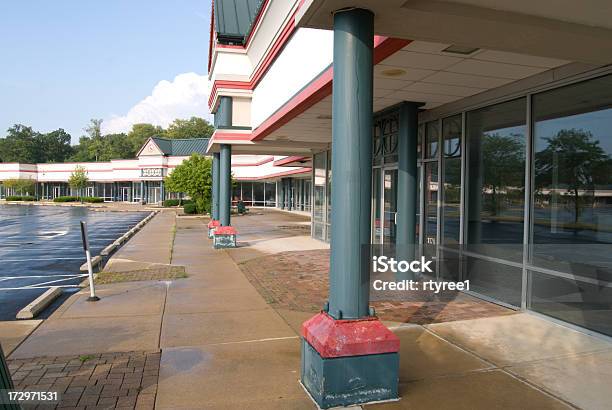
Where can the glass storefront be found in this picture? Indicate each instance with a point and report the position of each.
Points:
(515, 196)
(320, 200)
(254, 193)
(571, 226)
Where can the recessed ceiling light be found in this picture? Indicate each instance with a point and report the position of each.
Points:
(455, 49)
(393, 72)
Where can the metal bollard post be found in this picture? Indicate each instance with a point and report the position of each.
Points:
(92, 290)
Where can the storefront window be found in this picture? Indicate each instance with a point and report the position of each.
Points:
(451, 137)
(495, 203)
(258, 193)
(572, 209)
(496, 179)
(432, 135)
(320, 162)
(328, 194)
(270, 188)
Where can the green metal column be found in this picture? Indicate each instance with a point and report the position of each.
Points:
(225, 184)
(351, 163)
(223, 115)
(407, 179)
(215, 186)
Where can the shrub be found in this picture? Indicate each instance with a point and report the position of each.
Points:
(66, 199)
(93, 199)
(177, 202)
(190, 208)
(20, 198)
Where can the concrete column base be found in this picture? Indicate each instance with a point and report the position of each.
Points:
(346, 362)
(224, 237)
(212, 225)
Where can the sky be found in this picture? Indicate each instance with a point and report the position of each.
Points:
(63, 62)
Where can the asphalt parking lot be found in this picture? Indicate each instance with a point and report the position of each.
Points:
(40, 246)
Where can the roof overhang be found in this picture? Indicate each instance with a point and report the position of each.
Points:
(571, 30)
(294, 161)
(242, 143)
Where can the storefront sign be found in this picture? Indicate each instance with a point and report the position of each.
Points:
(151, 172)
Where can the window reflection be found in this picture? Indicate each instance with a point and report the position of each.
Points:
(496, 180)
(451, 136)
(572, 211)
(320, 161)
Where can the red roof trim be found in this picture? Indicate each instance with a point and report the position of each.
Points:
(256, 23)
(255, 164)
(320, 88)
(282, 40)
(288, 160)
(212, 31)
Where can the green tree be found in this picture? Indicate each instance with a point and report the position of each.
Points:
(194, 127)
(20, 186)
(20, 145)
(504, 164)
(193, 177)
(140, 133)
(54, 146)
(78, 180)
(91, 146)
(574, 161)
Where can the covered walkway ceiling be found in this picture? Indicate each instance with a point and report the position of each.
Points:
(564, 29)
(422, 72)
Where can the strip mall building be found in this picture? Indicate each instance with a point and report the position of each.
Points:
(140, 180)
(483, 128)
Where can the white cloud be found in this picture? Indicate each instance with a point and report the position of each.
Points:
(184, 97)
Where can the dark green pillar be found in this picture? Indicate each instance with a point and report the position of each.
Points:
(225, 184)
(215, 186)
(407, 179)
(351, 163)
(223, 115)
(346, 362)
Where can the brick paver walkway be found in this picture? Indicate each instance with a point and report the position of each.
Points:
(99, 381)
(299, 281)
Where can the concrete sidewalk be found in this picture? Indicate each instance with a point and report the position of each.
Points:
(213, 340)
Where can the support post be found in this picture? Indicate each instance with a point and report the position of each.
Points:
(215, 186)
(225, 235)
(407, 180)
(348, 356)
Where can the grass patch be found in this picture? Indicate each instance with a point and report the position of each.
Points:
(161, 272)
(85, 357)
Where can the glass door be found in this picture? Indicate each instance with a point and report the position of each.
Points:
(389, 206)
(125, 194)
(377, 228)
(155, 195)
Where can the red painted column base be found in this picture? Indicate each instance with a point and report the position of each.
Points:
(212, 225)
(339, 338)
(224, 237)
